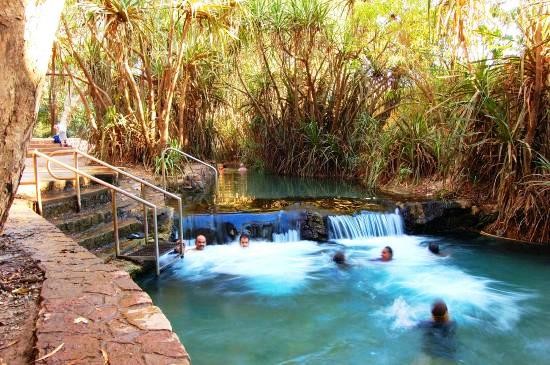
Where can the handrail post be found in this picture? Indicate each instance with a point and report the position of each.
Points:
(145, 218)
(37, 184)
(115, 222)
(155, 226)
(163, 169)
(77, 182)
(180, 207)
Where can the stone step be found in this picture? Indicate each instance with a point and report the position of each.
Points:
(56, 203)
(108, 252)
(26, 189)
(102, 234)
(71, 222)
(101, 172)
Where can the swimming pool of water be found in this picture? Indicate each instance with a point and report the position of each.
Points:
(287, 302)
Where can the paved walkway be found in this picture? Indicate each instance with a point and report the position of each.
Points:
(94, 311)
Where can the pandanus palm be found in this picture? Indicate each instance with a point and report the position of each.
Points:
(142, 45)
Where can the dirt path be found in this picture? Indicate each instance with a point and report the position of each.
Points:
(20, 284)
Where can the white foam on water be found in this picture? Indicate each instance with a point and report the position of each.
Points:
(416, 277)
(267, 267)
(412, 280)
(402, 313)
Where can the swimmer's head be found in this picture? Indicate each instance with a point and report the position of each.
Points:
(339, 258)
(439, 311)
(200, 242)
(244, 240)
(387, 254)
(434, 248)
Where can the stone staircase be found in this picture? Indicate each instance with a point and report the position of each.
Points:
(92, 227)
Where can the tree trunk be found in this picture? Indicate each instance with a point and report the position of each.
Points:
(27, 31)
(52, 99)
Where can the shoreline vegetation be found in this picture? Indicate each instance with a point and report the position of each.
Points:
(446, 100)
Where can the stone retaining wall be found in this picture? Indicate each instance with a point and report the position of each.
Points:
(93, 311)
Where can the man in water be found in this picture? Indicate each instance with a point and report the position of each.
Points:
(244, 240)
(439, 333)
(200, 242)
(387, 254)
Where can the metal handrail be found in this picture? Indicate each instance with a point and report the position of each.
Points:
(188, 156)
(114, 190)
(127, 174)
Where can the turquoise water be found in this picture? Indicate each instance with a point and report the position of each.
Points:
(288, 303)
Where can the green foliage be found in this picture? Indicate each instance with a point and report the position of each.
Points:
(380, 90)
(172, 161)
(42, 128)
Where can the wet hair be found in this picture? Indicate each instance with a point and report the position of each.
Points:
(339, 258)
(244, 235)
(439, 310)
(389, 250)
(433, 247)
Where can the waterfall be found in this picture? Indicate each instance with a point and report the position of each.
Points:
(365, 224)
(291, 235)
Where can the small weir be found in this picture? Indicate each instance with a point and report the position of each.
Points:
(365, 225)
(284, 226)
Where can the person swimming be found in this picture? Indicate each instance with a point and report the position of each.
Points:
(386, 255)
(434, 248)
(242, 168)
(339, 258)
(439, 333)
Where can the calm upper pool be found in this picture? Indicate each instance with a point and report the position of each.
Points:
(286, 302)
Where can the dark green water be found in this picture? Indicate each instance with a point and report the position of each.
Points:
(288, 303)
(256, 192)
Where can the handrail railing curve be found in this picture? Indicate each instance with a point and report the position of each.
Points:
(188, 156)
(114, 189)
(129, 175)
